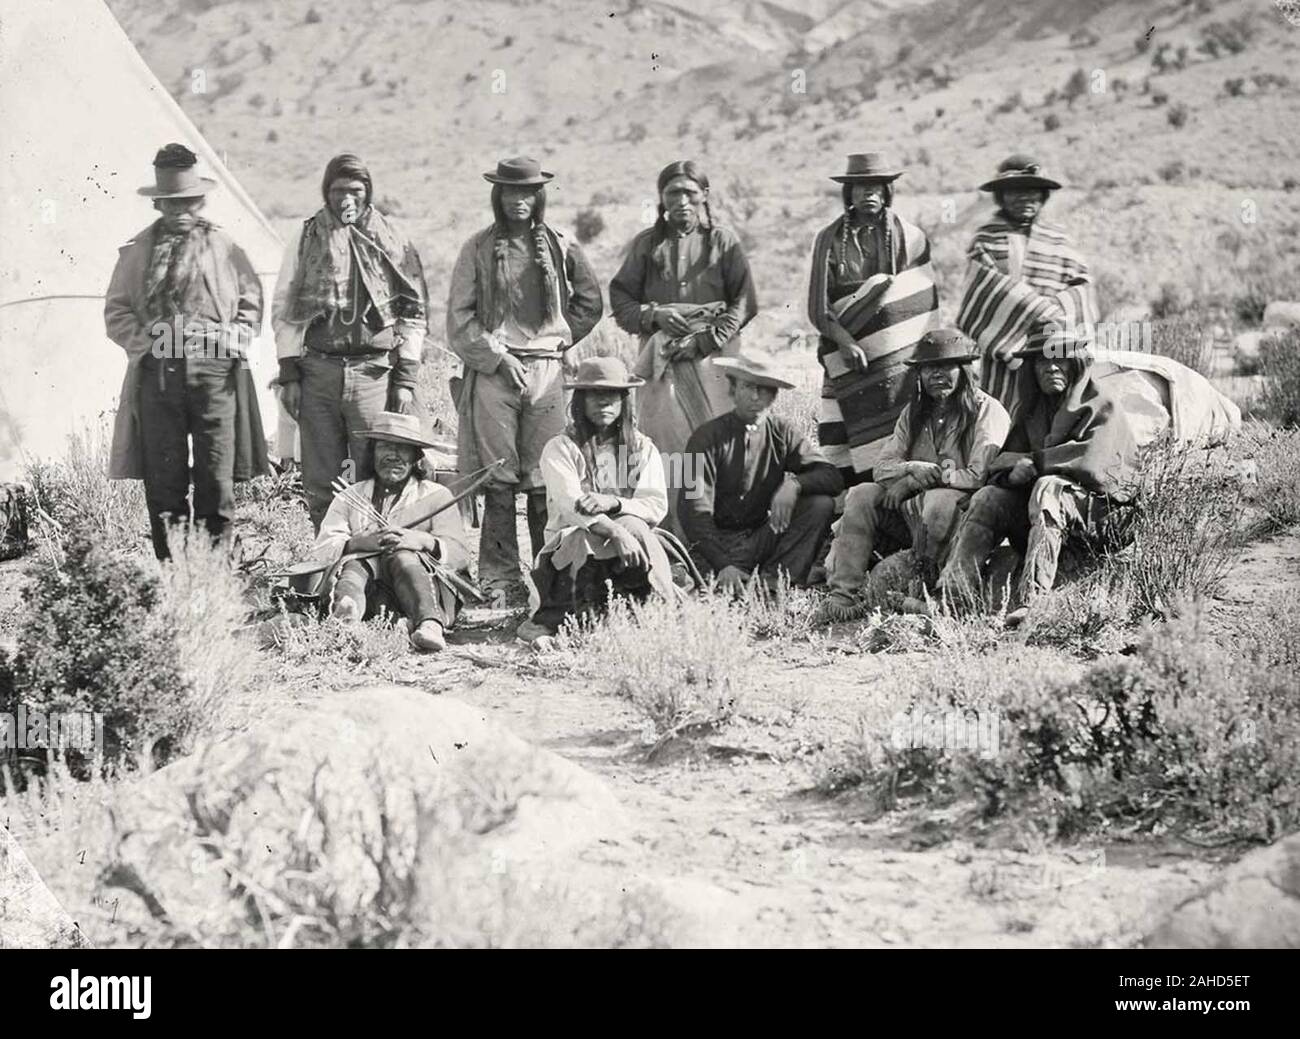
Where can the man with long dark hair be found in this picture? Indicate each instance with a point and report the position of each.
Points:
(605, 495)
(398, 563)
(1071, 455)
(871, 297)
(943, 442)
(521, 295)
(350, 315)
(685, 289)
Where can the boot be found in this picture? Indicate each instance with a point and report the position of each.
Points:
(498, 552)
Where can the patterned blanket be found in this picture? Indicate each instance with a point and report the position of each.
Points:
(998, 311)
(886, 315)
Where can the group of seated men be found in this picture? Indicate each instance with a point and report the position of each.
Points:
(958, 476)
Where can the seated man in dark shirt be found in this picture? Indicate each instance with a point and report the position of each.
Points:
(762, 494)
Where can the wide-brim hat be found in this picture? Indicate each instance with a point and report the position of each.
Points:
(175, 182)
(868, 166)
(522, 172)
(1054, 341)
(175, 174)
(1020, 171)
(944, 346)
(754, 366)
(397, 428)
(603, 373)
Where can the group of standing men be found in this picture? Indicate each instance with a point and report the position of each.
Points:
(907, 423)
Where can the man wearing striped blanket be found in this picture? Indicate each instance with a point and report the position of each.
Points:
(1023, 272)
(872, 296)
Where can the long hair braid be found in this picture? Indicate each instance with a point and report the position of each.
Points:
(682, 168)
(550, 280)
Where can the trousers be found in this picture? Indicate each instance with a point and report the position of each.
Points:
(1034, 518)
(924, 522)
(184, 399)
(398, 582)
(794, 551)
(340, 397)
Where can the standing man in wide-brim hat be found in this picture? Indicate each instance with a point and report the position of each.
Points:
(605, 497)
(350, 316)
(185, 304)
(1070, 457)
(521, 295)
(400, 564)
(1022, 271)
(762, 495)
(939, 454)
(872, 296)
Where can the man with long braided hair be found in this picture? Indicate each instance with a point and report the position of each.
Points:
(943, 443)
(871, 297)
(685, 289)
(521, 295)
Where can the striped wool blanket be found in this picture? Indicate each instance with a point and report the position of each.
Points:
(886, 315)
(998, 311)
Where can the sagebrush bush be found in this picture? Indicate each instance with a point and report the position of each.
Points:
(1188, 732)
(158, 651)
(77, 493)
(1279, 363)
(1274, 458)
(1186, 338)
(94, 637)
(680, 664)
(1176, 542)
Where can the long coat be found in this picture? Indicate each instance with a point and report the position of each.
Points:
(237, 292)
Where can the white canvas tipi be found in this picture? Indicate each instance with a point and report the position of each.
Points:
(81, 117)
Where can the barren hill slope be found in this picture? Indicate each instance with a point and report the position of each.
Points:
(1178, 139)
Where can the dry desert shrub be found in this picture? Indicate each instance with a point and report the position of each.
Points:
(1279, 358)
(373, 647)
(1186, 338)
(1188, 732)
(1182, 533)
(76, 492)
(1274, 455)
(681, 665)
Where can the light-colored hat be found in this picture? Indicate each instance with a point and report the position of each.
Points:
(603, 373)
(175, 175)
(754, 366)
(397, 428)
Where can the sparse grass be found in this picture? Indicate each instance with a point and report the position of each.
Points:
(372, 647)
(76, 492)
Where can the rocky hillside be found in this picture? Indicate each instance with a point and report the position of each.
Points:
(1174, 125)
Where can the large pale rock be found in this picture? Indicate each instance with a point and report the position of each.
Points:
(1254, 905)
(373, 795)
(1282, 314)
(30, 916)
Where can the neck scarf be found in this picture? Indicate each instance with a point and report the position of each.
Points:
(174, 264)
